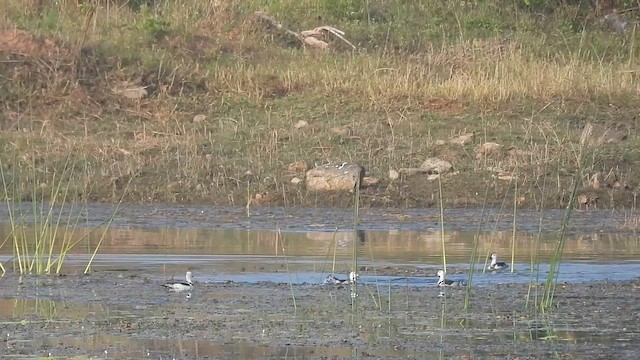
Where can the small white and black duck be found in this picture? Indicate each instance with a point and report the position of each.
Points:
(333, 280)
(497, 265)
(179, 286)
(446, 282)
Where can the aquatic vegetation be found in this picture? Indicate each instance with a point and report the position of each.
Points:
(44, 231)
(354, 260)
(280, 241)
(441, 208)
(556, 258)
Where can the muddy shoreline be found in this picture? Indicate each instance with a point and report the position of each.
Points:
(126, 314)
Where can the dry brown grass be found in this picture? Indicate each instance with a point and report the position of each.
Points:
(224, 94)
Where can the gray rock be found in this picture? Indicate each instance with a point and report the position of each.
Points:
(436, 166)
(606, 135)
(617, 22)
(334, 177)
(300, 124)
(408, 172)
(462, 139)
(487, 149)
(369, 181)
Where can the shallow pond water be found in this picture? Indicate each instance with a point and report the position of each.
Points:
(273, 250)
(282, 245)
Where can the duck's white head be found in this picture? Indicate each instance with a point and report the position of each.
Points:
(353, 276)
(188, 277)
(440, 274)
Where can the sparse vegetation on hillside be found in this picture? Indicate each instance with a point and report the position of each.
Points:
(199, 101)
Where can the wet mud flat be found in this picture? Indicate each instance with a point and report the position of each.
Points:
(128, 315)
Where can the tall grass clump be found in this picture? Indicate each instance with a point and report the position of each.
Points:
(535, 253)
(43, 229)
(556, 257)
(474, 253)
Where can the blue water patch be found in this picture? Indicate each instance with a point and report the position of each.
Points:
(569, 272)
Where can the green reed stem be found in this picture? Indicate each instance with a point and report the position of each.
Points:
(441, 204)
(474, 252)
(375, 272)
(513, 232)
(279, 239)
(335, 250)
(10, 201)
(104, 232)
(535, 254)
(554, 266)
(356, 224)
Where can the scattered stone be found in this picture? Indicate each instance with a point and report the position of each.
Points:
(495, 169)
(334, 177)
(296, 181)
(345, 131)
(506, 177)
(199, 118)
(488, 148)
(594, 181)
(298, 167)
(439, 142)
(436, 166)
(588, 200)
(369, 181)
(617, 22)
(518, 152)
(408, 172)
(606, 135)
(262, 198)
(462, 139)
(393, 174)
(300, 124)
(129, 90)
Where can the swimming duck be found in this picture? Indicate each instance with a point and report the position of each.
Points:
(179, 286)
(333, 280)
(446, 282)
(497, 265)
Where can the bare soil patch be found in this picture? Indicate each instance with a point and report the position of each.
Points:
(592, 320)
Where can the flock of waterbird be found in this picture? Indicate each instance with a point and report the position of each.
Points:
(187, 284)
(495, 265)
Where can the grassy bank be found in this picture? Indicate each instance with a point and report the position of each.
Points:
(225, 94)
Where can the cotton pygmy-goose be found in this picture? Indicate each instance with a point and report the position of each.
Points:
(179, 286)
(333, 280)
(446, 282)
(497, 265)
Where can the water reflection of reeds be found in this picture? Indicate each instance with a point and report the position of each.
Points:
(385, 245)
